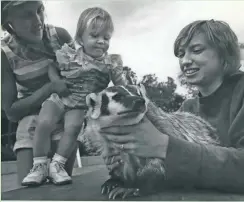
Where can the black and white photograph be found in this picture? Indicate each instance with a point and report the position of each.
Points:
(126, 100)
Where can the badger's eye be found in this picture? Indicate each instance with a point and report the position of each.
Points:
(118, 97)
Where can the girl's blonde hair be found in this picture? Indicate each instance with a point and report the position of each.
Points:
(220, 36)
(97, 17)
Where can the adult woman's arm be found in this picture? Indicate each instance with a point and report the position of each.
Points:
(53, 73)
(204, 166)
(16, 109)
(210, 166)
(186, 163)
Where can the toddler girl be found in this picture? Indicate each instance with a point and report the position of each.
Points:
(87, 67)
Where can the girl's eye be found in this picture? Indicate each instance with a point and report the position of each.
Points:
(94, 35)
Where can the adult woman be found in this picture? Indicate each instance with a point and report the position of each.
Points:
(209, 58)
(26, 54)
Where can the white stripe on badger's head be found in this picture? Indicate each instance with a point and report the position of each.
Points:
(126, 90)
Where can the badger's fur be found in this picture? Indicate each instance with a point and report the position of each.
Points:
(128, 105)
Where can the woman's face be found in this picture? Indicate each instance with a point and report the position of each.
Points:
(27, 21)
(200, 62)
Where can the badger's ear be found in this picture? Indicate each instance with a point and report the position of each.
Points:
(93, 102)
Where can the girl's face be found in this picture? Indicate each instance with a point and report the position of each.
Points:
(96, 40)
(200, 62)
(27, 21)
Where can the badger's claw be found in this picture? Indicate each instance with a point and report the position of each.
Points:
(121, 192)
(109, 185)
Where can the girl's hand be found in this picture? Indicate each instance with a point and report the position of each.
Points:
(142, 139)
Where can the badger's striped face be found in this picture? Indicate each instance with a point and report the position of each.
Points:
(117, 103)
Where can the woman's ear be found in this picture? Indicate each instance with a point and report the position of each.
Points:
(225, 67)
(93, 101)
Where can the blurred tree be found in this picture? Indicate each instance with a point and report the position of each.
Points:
(241, 45)
(130, 75)
(191, 90)
(163, 93)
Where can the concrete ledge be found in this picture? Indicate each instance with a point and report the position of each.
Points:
(10, 167)
(90, 161)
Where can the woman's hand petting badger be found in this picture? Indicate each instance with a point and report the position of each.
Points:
(142, 139)
(118, 128)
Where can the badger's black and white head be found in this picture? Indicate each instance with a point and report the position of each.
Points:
(117, 105)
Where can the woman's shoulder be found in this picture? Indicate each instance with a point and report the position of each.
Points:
(63, 35)
(237, 80)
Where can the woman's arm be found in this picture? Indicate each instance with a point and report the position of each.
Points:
(204, 166)
(208, 166)
(16, 109)
(211, 166)
(53, 73)
(186, 163)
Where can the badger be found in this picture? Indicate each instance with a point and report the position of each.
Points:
(128, 105)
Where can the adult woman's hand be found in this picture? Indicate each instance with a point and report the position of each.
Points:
(61, 87)
(142, 140)
(112, 160)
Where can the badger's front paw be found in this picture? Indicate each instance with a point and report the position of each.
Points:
(115, 188)
(110, 184)
(123, 193)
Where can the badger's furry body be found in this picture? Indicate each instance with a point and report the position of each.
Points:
(183, 125)
(137, 172)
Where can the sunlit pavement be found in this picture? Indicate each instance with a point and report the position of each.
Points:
(9, 181)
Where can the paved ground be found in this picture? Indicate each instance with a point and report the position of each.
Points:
(86, 186)
(9, 182)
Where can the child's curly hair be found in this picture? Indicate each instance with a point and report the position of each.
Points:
(95, 16)
(220, 36)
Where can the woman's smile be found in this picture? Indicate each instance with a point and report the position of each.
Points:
(191, 71)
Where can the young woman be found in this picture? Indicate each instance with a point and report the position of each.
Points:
(209, 58)
(26, 54)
